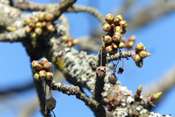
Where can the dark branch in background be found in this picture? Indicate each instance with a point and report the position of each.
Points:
(96, 107)
(17, 89)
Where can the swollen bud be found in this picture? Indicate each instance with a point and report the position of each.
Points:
(108, 39)
(10, 28)
(118, 29)
(39, 24)
(132, 38)
(38, 31)
(42, 74)
(37, 77)
(50, 27)
(106, 27)
(49, 17)
(136, 57)
(41, 16)
(29, 20)
(75, 41)
(109, 18)
(131, 44)
(120, 17)
(43, 61)
(140, 63)
(116, 38)
(103, 45)
(156, 96)
(123, 24)
(47, 65)
(34, 63)
(139, 47)
(28, 29)
(65, 38)
(49, 75)
(121, 45)
(109, 49)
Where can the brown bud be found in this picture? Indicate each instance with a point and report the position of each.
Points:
(113, 79)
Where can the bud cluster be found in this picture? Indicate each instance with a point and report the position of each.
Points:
(40, 25)
(141, 53)
(115, 27)
(42, 69)
(69, 41)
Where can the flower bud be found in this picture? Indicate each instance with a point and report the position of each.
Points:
(139, 47)
(121, 45)
(109, 49)
(33, 35)
(144, 49)
(123, 23)
(32, 24)
(10, 28)
(37, 77)
(44, 23)
(42, 74)
(108, 39)
(106, 100)
(38, 67)
(34, 63)
(29, 20)
(139, 90)
(118, 29)
(140, 63)
(136, 57)
(106, 27)
(49, 17)
(41, 16)
(47, 65)
(103, 45)
(36, 20)
(75, 41)
(142, 54)
(38, 31)
(120, 17)
(109, 18)
(116, 38)
(49, 75)
(43, 61)
(118, 33)
(114, 46)
(116, 21)
(156, 96)
(131, 44)
(132, 38)
(65, 38)
(39, 24)
(50, 27)
(28, 29)
(113, 79)
(69, 43)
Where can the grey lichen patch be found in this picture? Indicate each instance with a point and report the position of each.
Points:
(10, 15)
(130, 99)
(120, 112)
(6, 2)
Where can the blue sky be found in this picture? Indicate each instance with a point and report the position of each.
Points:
(157, 36)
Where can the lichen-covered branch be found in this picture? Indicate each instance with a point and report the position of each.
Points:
(64, 21)
(96, 107)
(122, 54)
(29, 6)
(96, 13)
(15, 36)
